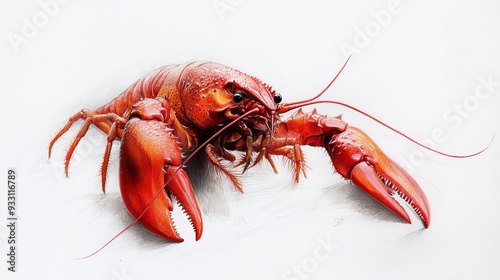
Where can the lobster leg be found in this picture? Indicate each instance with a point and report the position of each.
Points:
(110, 123)
(356, 157)
(151, 171)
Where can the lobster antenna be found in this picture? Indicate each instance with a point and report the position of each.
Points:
(399, 132)
(324, 90)
(285, 107)
(186, 159)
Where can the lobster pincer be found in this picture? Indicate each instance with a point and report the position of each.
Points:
(151, 171)
(356, 157)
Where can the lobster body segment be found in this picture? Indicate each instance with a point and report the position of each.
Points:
(175, 111)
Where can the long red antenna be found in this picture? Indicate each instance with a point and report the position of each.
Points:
(285, 107)
(399, 132)
(290, 106)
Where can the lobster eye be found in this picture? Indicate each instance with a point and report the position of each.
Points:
(277, 98)
(237, 98)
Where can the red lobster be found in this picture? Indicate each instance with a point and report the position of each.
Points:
(178, 109)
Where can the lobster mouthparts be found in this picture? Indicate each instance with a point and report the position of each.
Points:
(356, 157)
(150, 173)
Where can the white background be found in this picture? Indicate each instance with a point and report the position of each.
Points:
(424, 61)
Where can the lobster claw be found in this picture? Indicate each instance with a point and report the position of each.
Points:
(151, 172)
(356, 157)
